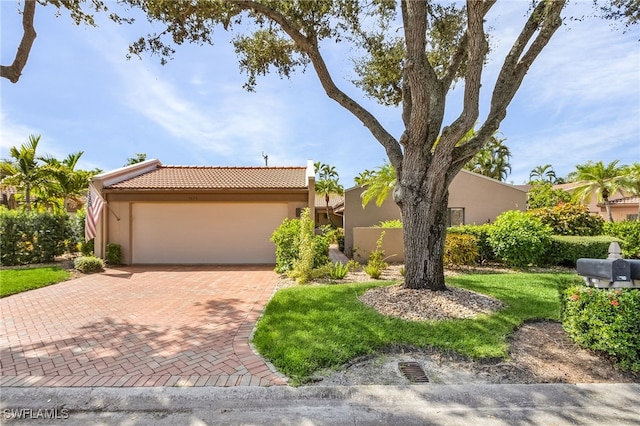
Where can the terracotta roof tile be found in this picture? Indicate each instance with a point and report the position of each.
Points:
(334, 199)
(209, 177)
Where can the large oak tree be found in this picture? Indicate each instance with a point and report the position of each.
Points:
(416, 67)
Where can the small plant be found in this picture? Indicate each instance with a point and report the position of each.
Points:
(353, 265)
(338, 271)
(113, 254)
(402, 270)
(88, 264)
(376, 263)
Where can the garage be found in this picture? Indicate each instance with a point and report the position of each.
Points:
(213, 215)
(205, 233)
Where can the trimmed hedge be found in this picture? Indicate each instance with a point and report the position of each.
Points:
(481, 232)
(34, 237)
(604, 320)
(629, 233)
(460, 249)
(566, 250)
(519, 239)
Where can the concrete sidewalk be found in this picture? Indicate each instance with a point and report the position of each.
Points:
(542, 404)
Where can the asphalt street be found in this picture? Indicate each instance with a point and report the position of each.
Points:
(539, 404)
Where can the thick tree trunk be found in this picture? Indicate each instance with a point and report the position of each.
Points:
(423, 198)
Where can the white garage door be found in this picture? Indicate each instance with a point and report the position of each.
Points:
(205, 233)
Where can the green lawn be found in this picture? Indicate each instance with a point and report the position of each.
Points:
(14, 281)
(305, 329)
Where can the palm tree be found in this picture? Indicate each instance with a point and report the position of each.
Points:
(598, 179)
(70, 184)
(22, 169)
(631, 181)
(543, 174)
(378, 182)
(492, 160)
(327, 184)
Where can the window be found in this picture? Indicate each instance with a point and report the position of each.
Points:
(455, 216)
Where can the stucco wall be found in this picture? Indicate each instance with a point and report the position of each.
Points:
(365, 240)
(482, 198)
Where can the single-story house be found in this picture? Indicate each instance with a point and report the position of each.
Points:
(473, 199)
(162, 214)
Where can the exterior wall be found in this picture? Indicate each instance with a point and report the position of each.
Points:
(619, 212)
(482, 198)
(357, 216)
(365, 239)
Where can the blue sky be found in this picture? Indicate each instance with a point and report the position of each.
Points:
(579, 102)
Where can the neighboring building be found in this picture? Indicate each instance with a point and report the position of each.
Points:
(198, 214)
(473, 199)
(336, 207)
(623, 206)
(626, 208)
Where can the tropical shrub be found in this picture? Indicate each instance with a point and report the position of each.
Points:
(543, 195)
(113, 254)
(566, 250)
(312, 254)
(287, 241)
(460, 249)
(629, 233)
(88, 264)
(519, 239)
(570, 219)
(481, 232)
(604, 320)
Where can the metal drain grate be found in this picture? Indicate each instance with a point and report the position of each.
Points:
(412, 371)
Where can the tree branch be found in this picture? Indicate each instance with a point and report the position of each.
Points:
(477, 49)
(14, 71)
(309, 46)
(545, 18)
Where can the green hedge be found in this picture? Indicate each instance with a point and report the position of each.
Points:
(35, 237)
(566, 250)
(604, 320)
(519, 239)
(629, 233)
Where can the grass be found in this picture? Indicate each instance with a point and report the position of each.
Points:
(305, 329)
(14, 281)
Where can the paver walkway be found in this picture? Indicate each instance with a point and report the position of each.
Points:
(139, 326)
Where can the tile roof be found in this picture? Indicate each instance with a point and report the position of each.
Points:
(209, 177)
(334, 199)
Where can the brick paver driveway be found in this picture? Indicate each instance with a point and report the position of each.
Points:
(139, 326)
